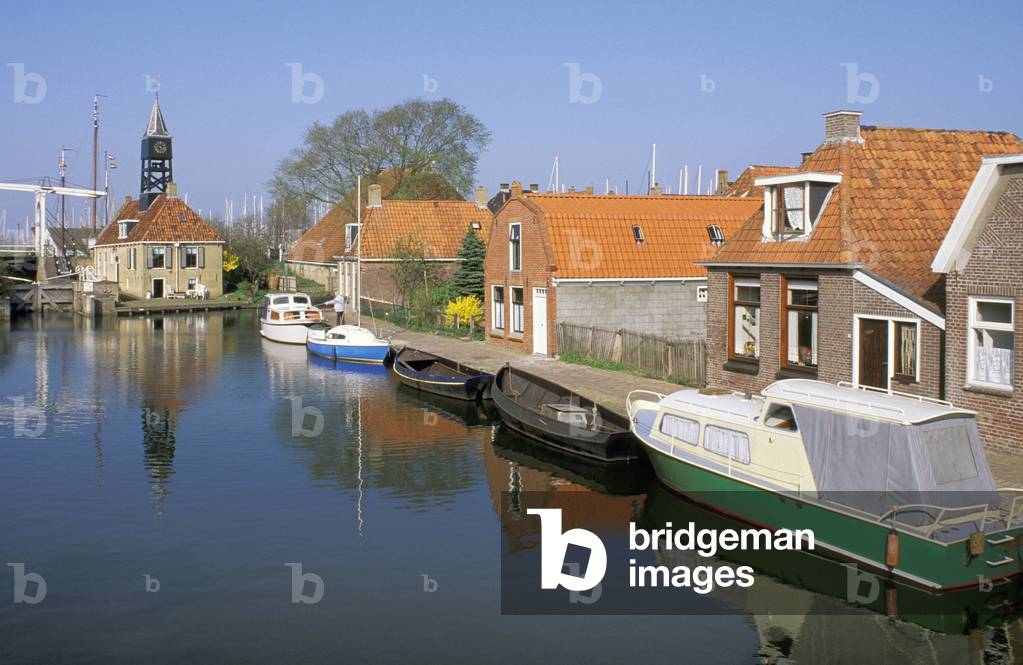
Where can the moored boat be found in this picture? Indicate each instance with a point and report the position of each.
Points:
(894, 483)
(441, 376)
(556, 417)
(347, 342)
(286, 317)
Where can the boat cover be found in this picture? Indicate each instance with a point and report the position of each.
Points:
(876, 466)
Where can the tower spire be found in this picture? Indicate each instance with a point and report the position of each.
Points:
(157, 172)
(156, 126)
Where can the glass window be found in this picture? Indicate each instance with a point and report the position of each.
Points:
(789, 209)
(191, 257)
(683, 429)
(515, 246)
(950, 453)
(300, 300)
(157, 257)
(905, 349)
(992, 340)
(746, 318)
(191, 284)
(727, 443)
(780, 416)
(517, 311)
(281, 300)
(801, 323)
(351, 233)
(497, 311)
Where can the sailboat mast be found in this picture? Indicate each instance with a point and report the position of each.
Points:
(95, 155)
(358, 249)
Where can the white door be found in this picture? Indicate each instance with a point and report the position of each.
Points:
(539, 320)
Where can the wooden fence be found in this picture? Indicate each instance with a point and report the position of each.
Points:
(674, 359)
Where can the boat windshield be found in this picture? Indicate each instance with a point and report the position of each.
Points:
(300, 300)
(281, 300)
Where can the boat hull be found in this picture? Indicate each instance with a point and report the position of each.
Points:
(602, 446)
(846, 537)
(285, 333)
(364, 353)
(470, 388)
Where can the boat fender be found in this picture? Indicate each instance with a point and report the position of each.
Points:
(976, 544)
(891, 549)
(891, 601)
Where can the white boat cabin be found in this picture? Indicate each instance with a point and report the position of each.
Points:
(285, 307)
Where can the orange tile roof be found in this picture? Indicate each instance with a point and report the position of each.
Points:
(166, 220)
(899, 193)
(744, 186)
(591, 236)
(439, 225)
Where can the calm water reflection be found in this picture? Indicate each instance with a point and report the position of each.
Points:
(170, 449)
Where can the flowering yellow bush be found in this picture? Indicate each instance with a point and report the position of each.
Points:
(230, 261)
(464, 309)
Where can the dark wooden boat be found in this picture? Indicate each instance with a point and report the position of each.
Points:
(554, 416)
(429, 373)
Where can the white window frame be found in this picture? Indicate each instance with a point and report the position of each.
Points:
(971, 348)
(750, 282)
(515, 248)
(811, 285)
(518, 317)
(771, 194)
(350, 239)
(497, 307)
(701, 294)
(195, 249)
(892, 320)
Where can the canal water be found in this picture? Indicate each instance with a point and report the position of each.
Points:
(168, 478)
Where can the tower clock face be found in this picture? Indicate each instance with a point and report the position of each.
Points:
(160, 147)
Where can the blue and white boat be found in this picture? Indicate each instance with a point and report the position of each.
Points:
(347, 342)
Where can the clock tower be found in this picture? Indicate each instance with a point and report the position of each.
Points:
(157, 172)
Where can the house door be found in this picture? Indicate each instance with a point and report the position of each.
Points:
(539, 320)
(873, 369)
(158, 287)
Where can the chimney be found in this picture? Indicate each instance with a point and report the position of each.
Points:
(172, 190)
(656, 190)
(841, 126)
(516, 188)
(505, 187)
(805, 156)
(127, 199)
(722, 182)
(481, 197)
(374, 200)
(534, 188)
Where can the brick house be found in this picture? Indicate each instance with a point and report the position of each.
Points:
(165, 248)
(438, 225)
(982, 260)
(833, 280)
(601, 260)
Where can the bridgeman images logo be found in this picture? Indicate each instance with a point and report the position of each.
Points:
(554, 546)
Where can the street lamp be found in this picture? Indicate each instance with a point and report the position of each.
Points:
(108, 163)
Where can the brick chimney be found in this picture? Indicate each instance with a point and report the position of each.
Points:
(840, 126)
(481, 197)
(656, 190)
(516, 188)
(722, 187)
(374, 200)
(172, 190)
(505, 187)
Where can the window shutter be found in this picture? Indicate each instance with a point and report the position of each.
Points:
(202, 257)
(149, 257)
(168, 254)
(181, 256)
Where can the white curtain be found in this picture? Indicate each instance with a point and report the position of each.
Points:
(794, 199)
(683, 429)
(993, 365)
(727, 443)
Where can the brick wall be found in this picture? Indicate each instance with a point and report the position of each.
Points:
(378, 279)
(840, 297)
(995, 268)
(668, 309)
(537, 270)
(325, 275)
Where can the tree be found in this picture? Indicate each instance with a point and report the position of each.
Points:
(410, 138)
(468, 279)
(411, 271)
(252, 244)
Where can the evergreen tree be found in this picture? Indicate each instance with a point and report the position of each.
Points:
(468, 279)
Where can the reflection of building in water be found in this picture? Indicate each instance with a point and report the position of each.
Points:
(158, 445)
(523, 475)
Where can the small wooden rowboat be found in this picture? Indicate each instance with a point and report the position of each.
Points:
(429, 373)
(554, 416)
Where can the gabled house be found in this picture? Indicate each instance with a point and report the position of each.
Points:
(166, 248)
(982, 261)
(833, 279)
(436, 227)
(620, 262)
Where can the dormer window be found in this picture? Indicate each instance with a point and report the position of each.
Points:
(124, 227)
(351, 234)
(793, 203)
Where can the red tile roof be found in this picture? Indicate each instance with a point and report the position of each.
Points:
(744, 185)
(592, 237)
(899, 193)
(166, 220)
(439, 225)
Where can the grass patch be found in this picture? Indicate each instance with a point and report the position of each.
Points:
(600, 363)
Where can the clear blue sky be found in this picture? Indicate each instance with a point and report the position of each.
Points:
(226, 92)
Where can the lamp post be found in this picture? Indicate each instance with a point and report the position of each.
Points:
(108, 163)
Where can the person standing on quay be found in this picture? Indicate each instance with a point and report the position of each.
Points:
(339, 307)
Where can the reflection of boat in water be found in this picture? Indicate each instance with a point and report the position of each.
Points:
(617, 479)
(898, 484)
(285, 317)
(431, 373)
(808, 604)
(367, 369)
(346, 342)
(554, 416)
(465, 412)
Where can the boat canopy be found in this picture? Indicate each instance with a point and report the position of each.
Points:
(877, 465)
